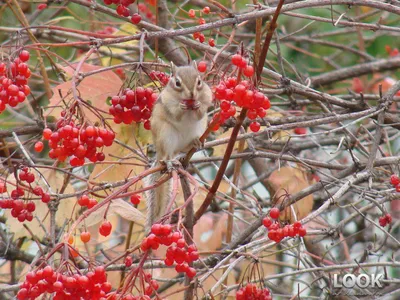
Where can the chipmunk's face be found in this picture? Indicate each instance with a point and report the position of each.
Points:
(187, 86)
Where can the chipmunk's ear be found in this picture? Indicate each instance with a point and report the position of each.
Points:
(173, 69)
(194, 64)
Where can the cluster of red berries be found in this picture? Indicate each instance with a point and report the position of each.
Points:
(77, 141)
(177, 250)
(198, 35)
(395, 181)
(384, 220)
(13, 81)
(85, 201)
(159, 76)
(252, 292)
(230, 92)
(276, 233)
(93, 285)
(123, 10)
(20, 209)
(241, 62)
(28, 177)
(133, 106)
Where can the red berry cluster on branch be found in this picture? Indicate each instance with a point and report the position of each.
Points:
(276, 233)
(230, 92)
(252, 292)
(133, 106)
(13, 81)
(22, 209)
(395, 181)
(160, 77)
(93, 285)
(123, 10)
(177, 252)
(78, 142)
(385, 220)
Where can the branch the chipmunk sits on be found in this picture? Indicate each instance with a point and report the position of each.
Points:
(178, 120)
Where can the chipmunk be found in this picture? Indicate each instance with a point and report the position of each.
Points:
(178, 120)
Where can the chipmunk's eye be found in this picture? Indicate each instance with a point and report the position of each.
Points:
(199, 82)
(178, 82)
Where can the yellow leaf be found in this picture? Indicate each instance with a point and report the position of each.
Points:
(125, 29)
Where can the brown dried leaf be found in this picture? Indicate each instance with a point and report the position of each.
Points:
(288, 180)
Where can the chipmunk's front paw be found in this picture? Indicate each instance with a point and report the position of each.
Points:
(197, 143)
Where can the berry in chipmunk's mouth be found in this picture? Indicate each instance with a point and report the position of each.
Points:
(190, 104)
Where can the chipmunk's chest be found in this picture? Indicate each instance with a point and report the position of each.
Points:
(184, 131)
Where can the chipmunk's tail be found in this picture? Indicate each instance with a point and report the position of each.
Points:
(157, 198)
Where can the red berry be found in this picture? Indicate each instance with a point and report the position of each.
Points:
(12, 90)
(136, 18)
(202, 66)
(135, 199)
(267, 222)
(274, 213)
(202, 21)
(45, 198)
(92, 203)
(255, 126)
(206, 10)
(248, 71)
(394, 180)
(3, 187)
(85, 236)
(382, 221)
(300, 130)
(236, 59)
(24, 55)
(191, 272)
(42, 6)
(302, 231)
(388, 218)
(192, 13)
(47, 133)
(105, 228)
(83, 200)
(211, 42)
(39, 146)
(128, 261)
